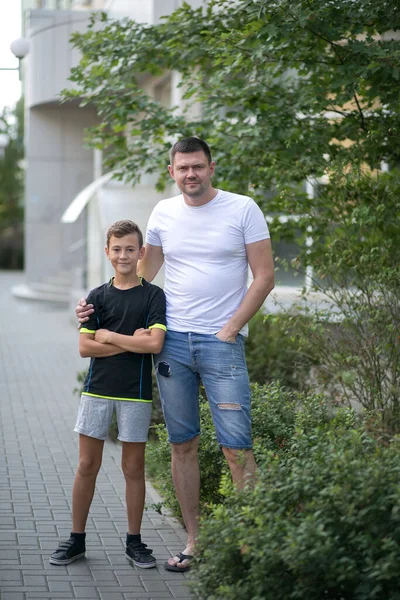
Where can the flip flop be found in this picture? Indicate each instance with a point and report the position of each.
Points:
(175, 568)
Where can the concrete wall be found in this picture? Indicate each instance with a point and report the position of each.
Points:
(147, 11)
(58, 167)
(51, 56)
(57, 164)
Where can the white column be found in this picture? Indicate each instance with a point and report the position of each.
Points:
(95, 242)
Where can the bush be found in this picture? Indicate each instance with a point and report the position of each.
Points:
(276, 413)
(323, 522)
(211, 459)
(274, 352)
(355, 257)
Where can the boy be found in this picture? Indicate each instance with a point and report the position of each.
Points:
(128, 325)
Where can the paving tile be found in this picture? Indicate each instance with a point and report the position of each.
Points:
(180, 591)
(108, 594)
(43, 513)
(47, 528)
(159, 573)
(18, 483)
(155, 586)
(36, 486)
(34, 580)
(98, 555)
(7, 537)
(105, 525)
(34, 560)
(10, 575)
(76, 579)
(117, 559)
(40, 453)
(150, 596)
(85, 592)
(129, 579)
(7, 522)
(103, 576)
(25, 524)
(48, 543)
(169, 537)
(59, 503)
(79, 567)
(60, 586)
(8, 555)
(28, 540)
(30, 595)
(21, 497)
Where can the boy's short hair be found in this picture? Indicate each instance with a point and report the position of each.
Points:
(190, 144)
(121, 228)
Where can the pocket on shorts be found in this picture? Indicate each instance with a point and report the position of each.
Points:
(225, 342)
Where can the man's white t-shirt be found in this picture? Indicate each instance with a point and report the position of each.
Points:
(205, 257)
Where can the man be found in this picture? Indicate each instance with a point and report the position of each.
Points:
(207, 238)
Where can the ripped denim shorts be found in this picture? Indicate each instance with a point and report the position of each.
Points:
(190, 358)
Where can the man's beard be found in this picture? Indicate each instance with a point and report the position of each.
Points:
(194, 193)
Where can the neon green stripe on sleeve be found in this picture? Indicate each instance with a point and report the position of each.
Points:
(84, 330)
(158, 326)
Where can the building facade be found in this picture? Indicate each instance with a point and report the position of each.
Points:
(64, 255)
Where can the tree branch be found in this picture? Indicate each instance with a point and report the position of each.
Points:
(363, 125)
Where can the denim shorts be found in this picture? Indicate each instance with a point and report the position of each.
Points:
(95, 415)
(185, 360)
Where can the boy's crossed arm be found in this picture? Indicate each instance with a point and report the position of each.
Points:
(91, 348)
(143, 341)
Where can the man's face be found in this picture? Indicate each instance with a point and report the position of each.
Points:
(124, 253)
(192, 173)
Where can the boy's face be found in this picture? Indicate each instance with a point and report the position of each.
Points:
(124, 253)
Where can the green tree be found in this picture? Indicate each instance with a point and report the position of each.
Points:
(11, 188)
(267, 75)
(289, 92)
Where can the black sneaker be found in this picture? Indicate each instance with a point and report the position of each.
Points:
(67, 552)
(140, 555)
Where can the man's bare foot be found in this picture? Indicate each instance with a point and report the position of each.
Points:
(181, 561)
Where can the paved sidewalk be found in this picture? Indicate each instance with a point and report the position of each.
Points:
(38, 455)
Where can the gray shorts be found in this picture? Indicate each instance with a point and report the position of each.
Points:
(95, 415)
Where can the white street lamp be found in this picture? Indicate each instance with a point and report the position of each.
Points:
(20, 47)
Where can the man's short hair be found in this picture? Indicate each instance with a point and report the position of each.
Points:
(190, 144)
(121, 228)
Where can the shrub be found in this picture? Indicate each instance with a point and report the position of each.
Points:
(323, 522)
(276, 413)
(355, 257)
(211, 459)
(274, 352)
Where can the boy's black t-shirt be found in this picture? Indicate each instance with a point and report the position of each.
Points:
(125, 376)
